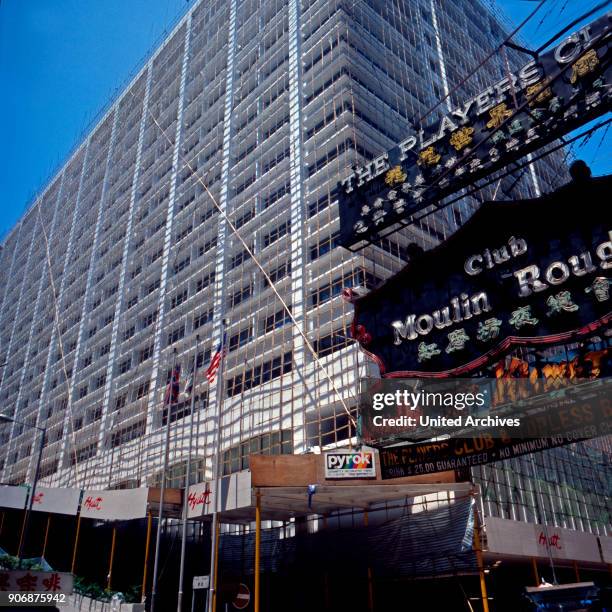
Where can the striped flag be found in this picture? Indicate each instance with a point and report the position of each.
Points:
(173, 387)
(215, 362)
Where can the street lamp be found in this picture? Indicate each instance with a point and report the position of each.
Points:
(26, 522)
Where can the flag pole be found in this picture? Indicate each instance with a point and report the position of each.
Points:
(163, 482)
(215, 536)
(187, 479)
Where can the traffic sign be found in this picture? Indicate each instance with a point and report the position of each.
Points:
(242, 597)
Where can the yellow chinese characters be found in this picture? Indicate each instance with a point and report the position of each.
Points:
(429, 157)
(395, 176)
(462, 138)
(584, 64)
(498, 115)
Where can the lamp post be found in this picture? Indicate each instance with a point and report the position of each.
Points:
(26, 521)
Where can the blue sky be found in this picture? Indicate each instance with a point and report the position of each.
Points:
(61, 61)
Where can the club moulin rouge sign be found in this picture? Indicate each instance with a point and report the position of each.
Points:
(527, 272)
(546, 98)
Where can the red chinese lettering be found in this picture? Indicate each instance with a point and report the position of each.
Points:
(53, 583)
(27, 582)
(38, 498)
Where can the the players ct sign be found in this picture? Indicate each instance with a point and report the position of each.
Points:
(350, 464)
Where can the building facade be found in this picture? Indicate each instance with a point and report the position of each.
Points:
(229, 142)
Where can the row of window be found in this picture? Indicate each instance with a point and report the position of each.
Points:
(260, 374)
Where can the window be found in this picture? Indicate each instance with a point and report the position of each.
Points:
(120, 401)
(245, 218)
(125, 365)
(240, 296)
(202, 318)
(100, 381)
(207, 246)
(205, 281)
(95, 414)
(149, 319)
(104, 350)
(142, 389)
(92, 332)
(145, 353)
(275, 234)
(332, 342)
(278, 273)
(324, 246)
(83, 453)
(178, 299)
(181, 265)
(176, 334)
(129, 332)
(275, 443)
(260, 374)
(126, 434)
(241, 338)
(153, 286)
(351, 279)
(274, 197)
(278, 319)
(321, 204)
(239, 259)
(82, 392)
(86, 361)
(132, 302)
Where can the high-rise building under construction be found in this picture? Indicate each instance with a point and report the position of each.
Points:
(229, 142)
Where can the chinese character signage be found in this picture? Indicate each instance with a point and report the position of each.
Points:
(548, 97)
(120, 505)
(531, 272)
(35, 582)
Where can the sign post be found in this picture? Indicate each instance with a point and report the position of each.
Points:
(200, 583)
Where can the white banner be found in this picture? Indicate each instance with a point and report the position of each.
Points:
(58, 501)
(121, 505)
(37, 583)
(13, 497)
(531, 540)
(199, 500)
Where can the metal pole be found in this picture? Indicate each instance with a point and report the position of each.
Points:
(76, 543)
(44, 550)
(163, 484)
(26, 520)
(143, 593)
(478, 551)
(212, 596)
(110, 561)
(179, 604)
(257, 548)
(217, 474)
